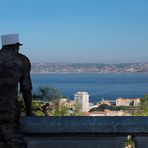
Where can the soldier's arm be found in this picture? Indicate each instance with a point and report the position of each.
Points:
(28, 102)
(26, 86)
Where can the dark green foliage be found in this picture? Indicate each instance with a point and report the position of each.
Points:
(102, 107)
(46, 103)
(47, 94)
(143, 107)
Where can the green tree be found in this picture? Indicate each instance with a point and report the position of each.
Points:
(51, 108)
(142, 109)
(77, 110)
(102, 107)
(37, 108)
(63, 109)
(45, 93)
(60, 109)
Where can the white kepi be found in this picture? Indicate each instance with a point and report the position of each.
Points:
(10, 39)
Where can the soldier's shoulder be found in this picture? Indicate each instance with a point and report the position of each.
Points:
(25, 61)
(22, 56)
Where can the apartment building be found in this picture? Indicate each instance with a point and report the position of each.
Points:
(83, 99)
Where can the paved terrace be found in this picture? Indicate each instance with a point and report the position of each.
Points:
(84, 132)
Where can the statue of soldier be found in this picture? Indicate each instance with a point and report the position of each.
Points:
(14, 70)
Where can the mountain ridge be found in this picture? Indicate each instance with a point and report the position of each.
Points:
(43, 68)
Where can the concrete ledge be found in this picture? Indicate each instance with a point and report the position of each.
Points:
(71, 124)
(88, 132)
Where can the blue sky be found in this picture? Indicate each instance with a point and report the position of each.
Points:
(72, 31)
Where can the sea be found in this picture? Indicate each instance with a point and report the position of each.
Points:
(99, 86)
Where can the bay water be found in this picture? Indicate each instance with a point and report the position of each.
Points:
(107, 86)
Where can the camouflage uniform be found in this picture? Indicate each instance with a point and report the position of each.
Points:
(14, 69)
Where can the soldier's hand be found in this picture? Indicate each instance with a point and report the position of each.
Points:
(30, 114)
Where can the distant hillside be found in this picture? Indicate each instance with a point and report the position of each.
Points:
(89, 68)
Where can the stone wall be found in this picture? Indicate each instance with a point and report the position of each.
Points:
(88, 132)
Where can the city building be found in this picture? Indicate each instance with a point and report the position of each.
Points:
(127, 101)
(83, 99)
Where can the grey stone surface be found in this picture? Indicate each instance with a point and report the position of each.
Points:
(78, 142)
(141, 142)
(85, 124)
(78, 124)
(40, 124)
(88, 132)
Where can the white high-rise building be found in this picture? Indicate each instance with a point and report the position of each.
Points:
(83, 99)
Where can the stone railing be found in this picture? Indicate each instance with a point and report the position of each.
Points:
(84, 132)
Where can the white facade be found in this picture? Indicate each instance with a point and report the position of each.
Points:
(127, 101)
(83, 99)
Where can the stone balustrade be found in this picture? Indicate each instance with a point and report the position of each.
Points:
(84, 132)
